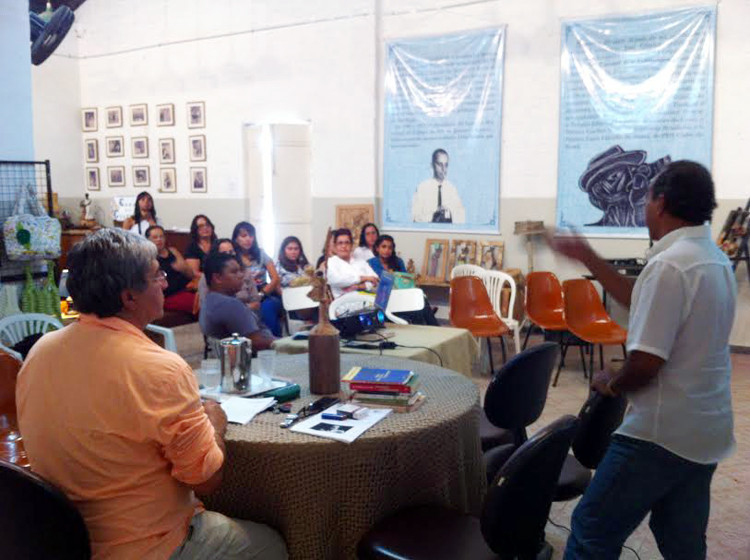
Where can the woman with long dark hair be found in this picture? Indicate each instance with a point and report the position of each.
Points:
(292, 260)
(367, 237)
(260, 267)
(203, 238)
(144, 216)
(385, 258)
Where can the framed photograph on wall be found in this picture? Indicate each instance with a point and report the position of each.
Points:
(463, 251)
(354, 216)
(90, 119)
(114, 117)
(435, 260)
(198, 148)
(93, 182)
(116, 176)
(167, 180)
(196, 114)
(115, 146)
(91, 149)
(139, 115)
(141, 176)
(198, 182)
(165, 114)
(166, 150)
(139, 146)
(490, 255)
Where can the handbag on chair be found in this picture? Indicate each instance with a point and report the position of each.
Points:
(29, 233)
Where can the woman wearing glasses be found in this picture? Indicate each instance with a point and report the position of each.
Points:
(345, 273)
(178, 272)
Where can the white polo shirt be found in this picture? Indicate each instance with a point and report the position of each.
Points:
(682, 310)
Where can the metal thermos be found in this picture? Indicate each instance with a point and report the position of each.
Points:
(236, 356)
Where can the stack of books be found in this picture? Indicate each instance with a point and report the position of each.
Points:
(390, 388)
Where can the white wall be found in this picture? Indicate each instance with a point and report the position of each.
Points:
(301, 61)
(16, 139)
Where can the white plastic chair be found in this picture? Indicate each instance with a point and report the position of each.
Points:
(168, 334)
(15, 328)
(494, 281)
(407, 299)
(294, 299)
(467, 270)
(357, 300)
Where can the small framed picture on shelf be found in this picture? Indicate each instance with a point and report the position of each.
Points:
(167, 180)
(435, 260)
(166, 150)
(139, 115)
(198, 180)
(198, 148)
(196, 114)
(116, 176)
(490, 255)
(141, 176)
(89, 119)
(114, 117)
(463, 251)
(91, 149)
(115, 146)
(139, 145)
(165, 114)
(93, 182)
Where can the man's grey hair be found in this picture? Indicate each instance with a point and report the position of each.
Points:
(104, 264)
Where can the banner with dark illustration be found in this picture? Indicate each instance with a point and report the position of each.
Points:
(636, 93)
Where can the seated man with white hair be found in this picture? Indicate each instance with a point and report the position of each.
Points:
(117, 423)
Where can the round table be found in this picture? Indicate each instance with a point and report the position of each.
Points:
(324, 495)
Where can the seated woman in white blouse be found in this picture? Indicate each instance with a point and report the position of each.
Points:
(347, 274)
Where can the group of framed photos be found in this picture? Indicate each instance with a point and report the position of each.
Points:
(441, 255)
(115, 147)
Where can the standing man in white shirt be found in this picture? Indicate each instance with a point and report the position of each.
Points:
(677, 378)
(436, 199)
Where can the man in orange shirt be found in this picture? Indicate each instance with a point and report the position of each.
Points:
(117, 423)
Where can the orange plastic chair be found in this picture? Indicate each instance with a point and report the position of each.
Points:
(471, 309)
(11, 442)
(588, 320)
(545, 306)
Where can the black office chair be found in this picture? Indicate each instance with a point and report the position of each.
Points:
(599, 417)
(37, 521)
(514, 512)
(516, 396)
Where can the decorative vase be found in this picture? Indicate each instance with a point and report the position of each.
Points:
(29, 293)
(324, 355)
(50, 295)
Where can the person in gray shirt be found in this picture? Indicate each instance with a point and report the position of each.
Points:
(222, 314)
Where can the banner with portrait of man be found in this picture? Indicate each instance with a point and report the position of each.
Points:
(441, 154)
(636, 93)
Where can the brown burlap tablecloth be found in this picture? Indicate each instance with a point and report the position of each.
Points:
(457, 348)
(323, 495)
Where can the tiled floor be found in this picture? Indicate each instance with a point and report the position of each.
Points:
(729, 526)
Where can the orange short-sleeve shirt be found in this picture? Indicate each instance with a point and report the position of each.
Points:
(116, 422)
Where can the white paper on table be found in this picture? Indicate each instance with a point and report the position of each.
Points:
(240, 410)
(340, 430)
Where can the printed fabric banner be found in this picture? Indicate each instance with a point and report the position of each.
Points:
(441, 159)
(636, 93)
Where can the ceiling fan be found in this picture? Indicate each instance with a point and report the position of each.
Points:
(48, 29)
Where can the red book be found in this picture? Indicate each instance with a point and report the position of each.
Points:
(381, 387)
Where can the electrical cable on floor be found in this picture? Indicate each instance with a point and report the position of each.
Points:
(568, 530)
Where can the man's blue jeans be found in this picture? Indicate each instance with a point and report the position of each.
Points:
(636, 477)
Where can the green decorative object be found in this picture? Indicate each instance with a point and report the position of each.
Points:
(29, 293)
(50, 295)
(23, 236)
